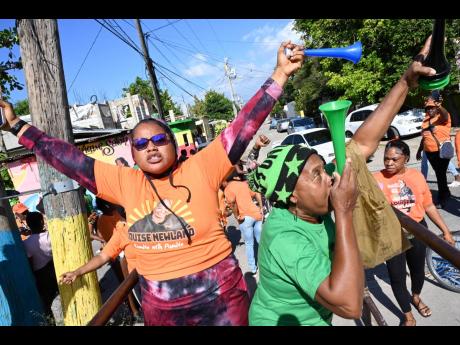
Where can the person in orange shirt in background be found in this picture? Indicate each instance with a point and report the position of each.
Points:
(113, 230)
(438, 120)
(224, 209)
(407, 190)
(248, 215)
(20, 214)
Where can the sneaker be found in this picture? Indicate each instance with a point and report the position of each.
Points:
(455, 183)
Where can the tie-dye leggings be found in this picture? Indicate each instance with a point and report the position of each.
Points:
(217, 296)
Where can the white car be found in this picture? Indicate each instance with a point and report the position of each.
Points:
(407, 122)
(315, 138)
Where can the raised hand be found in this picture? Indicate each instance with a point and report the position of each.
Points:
(286, 66)
(416, 69)
(262, 141)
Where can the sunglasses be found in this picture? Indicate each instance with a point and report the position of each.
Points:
(157, 140)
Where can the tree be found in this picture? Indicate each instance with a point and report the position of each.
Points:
(198, 109)
(22, 107)
(168, 103)
(388, 47)
(217, 106)
(8, 39)
(144, 89)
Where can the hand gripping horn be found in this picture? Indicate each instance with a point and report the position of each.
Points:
(436, 59)
(352, 52)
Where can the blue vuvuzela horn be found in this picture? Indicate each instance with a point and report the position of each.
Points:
(352, 53)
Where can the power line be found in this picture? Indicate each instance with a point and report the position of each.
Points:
(209, 23)
(84, 60)
(180, 87)
(163, 26)
(110, 28)
(185, 39)
(196, 36)
(191, 82)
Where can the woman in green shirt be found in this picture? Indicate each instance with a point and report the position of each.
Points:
(301, 283)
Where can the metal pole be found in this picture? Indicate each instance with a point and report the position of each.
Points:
(440, 246)
(227, 73)
(117, 297)
(151, 70)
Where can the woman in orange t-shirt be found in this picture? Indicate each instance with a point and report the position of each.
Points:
(407, 190)
(438, 120)
(187, 272)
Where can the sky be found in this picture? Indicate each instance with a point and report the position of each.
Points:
(188, 54)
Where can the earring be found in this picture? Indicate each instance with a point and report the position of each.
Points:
(295, 213)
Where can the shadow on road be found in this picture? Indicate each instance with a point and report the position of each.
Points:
(453, 204)
(234, 236)
(251, 283)
(381, 272)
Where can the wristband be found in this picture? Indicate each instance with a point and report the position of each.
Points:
(17, 127)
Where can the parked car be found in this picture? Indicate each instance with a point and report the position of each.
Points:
(282, 125)
(300, 124)
(273, 123)
(315, 138)
(408, 121)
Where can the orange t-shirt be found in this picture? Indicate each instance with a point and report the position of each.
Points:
(408, 192)
(441, 131)
(161, 246)
(120, 242)
(457, 147)
(239, 192)
(106, 224)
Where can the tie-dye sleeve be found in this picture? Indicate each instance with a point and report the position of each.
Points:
(62, 156)
(237, 136)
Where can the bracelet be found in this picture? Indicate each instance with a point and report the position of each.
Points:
(17, 127)
(419, 58)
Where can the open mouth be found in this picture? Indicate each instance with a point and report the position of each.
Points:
(153, 159)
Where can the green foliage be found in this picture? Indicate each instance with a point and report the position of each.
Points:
(198, 109)
(215, 105)
(218, 106)
(219, 127)
(143, 88)
(168, 103)
(278, 110)
(388, 47)
(7, 181)
(22, 107)
(8, 39)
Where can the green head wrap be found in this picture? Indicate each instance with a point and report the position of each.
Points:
(277, 176)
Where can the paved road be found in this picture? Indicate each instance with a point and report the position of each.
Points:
(445, 304)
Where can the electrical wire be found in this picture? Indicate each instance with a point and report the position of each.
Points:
(84, 60)
(163, 26)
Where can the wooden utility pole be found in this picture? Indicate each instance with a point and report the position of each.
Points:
(151, 70)
(20, 303)
(66, 215)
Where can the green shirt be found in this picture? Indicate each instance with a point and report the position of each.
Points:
(295, 257)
